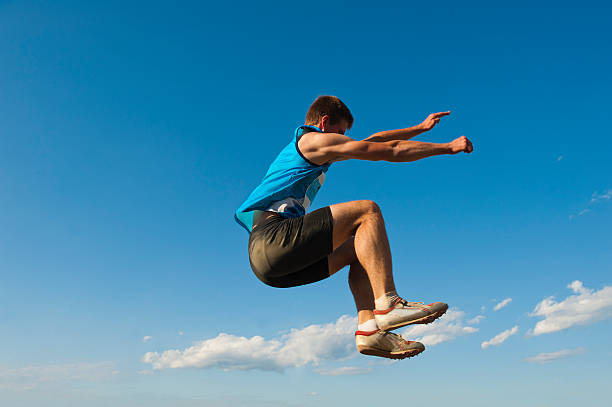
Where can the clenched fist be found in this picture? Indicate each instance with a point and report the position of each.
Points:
(461, 144)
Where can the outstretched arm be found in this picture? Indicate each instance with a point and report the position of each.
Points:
(338, 147)
(407, 133)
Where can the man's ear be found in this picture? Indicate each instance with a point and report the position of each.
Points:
(324, 123)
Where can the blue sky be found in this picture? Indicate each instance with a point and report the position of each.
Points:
(130, 133)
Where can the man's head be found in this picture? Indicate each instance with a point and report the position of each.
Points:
(330, 115)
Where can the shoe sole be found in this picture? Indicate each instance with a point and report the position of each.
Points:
(423, 320)
(390, 355)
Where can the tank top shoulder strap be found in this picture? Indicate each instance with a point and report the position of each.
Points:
(296, 138)
(298, 131)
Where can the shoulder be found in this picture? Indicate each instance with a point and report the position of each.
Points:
(314, 145)
(316, 141)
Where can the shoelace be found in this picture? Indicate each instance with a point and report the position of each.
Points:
(398, 340)
(407, 303)
(393, 334)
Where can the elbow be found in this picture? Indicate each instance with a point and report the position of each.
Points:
(402, 154)
(383, 152)
(393, 155)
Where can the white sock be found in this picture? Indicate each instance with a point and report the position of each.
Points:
(386, 301)
(368, 326)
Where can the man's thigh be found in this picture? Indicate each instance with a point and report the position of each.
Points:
(323, 268)
(283, 247)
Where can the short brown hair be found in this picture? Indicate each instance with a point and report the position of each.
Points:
(331, 106)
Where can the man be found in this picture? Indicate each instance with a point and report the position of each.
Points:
(288, 247)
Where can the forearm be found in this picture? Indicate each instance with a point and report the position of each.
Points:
(404, 151)
(400, 134)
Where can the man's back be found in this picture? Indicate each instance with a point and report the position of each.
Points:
(289, 186)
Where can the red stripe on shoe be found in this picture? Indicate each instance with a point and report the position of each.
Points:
(386, 311)
(366, 333)
(383, 312)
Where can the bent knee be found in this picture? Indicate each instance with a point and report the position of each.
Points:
(369, 208)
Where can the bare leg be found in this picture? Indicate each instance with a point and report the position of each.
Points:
(364, 220)
(359, 281)
(362, 292)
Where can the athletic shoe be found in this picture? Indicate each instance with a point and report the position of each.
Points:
(403, 313)
(386, 344)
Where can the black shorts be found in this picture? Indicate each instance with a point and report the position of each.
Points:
(287, 252)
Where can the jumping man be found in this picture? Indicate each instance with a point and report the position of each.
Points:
(289, 247)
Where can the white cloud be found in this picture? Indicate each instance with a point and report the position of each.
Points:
(28, 377)
(585, 307)
(502, 304)
(476, 319)
(560, 158)
(299, 347)
(577, 287)
(147, 338)
(500, 338)
(595, 198)
(344, 371)
(180, 333)
(544, 358)
(604, 196)
(444, 329)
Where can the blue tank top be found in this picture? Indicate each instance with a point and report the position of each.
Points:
(289, 186)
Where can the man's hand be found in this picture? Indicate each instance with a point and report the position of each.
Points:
(461, 144)
(432, 120)
(408, 133)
